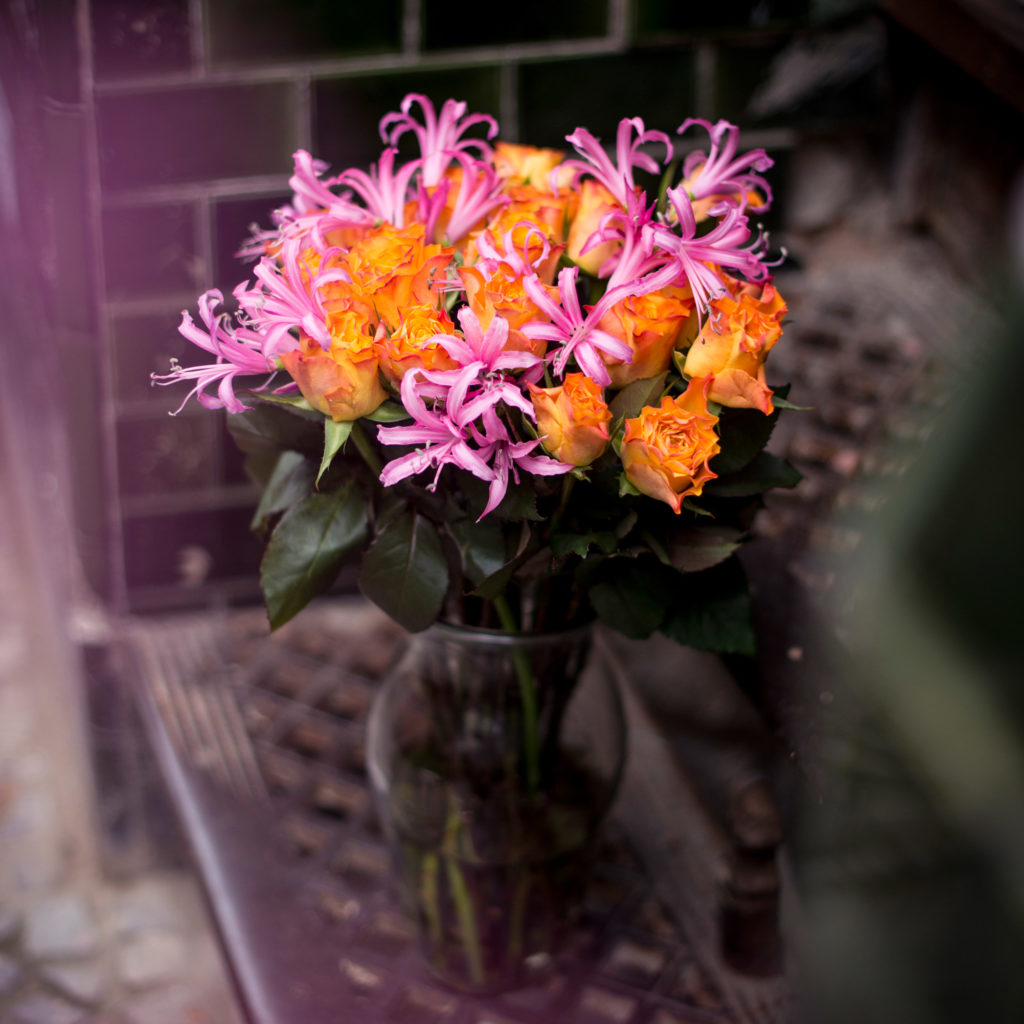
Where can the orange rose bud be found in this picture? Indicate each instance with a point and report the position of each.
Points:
(667, 448)
(502, 294)
(393, 267)
(596, 202)
(572, 419)
(649, 325)
(342, 383)
(734, 344)
(526, 164)
(413, 345)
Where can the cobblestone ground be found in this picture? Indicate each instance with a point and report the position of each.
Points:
(75, 946)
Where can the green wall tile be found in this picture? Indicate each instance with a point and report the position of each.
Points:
(149, 250)
(246, 31)
(455, 23)
(196, 133)
(154, 545)
(347, 111)
(597, 92)
(165, 455)
(131, 39)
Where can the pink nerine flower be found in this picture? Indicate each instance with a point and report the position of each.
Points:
(384, 190)
(618, 177)
(463, 426)
(484, 377)
(727, 244)
(238, 352)
(289, 298)
(440, 138)
(722, 173)
(578, 335)
(442, 440)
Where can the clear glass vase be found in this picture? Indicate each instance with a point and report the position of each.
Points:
(494, 758)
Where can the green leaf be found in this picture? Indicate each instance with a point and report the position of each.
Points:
(762, 473)
(335, 435)
(388, 412)
(563, 544)
(712, 611)
(276, 428)
(296, 403)
(289, 482)
(627, 487)
(633, 397)
(699, 547)
(782, 403)
(495, 584)
(308, 547)
(405, 572)
(632, 595)
(742, 433)
(481, 545)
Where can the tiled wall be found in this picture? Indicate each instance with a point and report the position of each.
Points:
(181, 118)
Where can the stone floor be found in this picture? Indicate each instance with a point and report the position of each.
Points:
(78, 943)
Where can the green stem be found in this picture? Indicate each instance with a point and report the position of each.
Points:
(567, 484)
(369, 454)
(527, 695)
(431, 907)
(463, 903)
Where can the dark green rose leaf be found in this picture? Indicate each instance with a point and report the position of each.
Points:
(295, 403)
(762, 473)
(335, 435)
(712, 611)
(308, 547)
(405, 571)
(742, 433)
(481, 545)
(633, 397)
(270, 427)
(632, 595)
(388, 412)
(289, 482)
(563, 544)
(699, 547)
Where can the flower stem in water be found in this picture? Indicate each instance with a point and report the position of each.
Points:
(528, 696)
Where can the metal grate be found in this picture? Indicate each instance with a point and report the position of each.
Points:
(261, 738)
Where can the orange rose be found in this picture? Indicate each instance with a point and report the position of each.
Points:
(666, 449)
(413, 346)
(572, 420)
(596, 202)
(503, 294)
(342, 383)
(649, 325)
(526, 164)
(734, 344)
(393, 268)
(529, 209)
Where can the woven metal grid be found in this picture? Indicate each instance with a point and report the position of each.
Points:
(262, 740)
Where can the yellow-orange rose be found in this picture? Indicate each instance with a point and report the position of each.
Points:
(526, 164)
(413, 346)
(393, 267)
(532, 216)
(502, 294)
(342, 383)
(667, 448)
(734, 343)
(572, 419)
(649, 325)
(596, 202)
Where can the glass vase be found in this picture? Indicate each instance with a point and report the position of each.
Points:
(493, 759)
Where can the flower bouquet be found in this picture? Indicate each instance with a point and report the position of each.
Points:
(517, 389)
